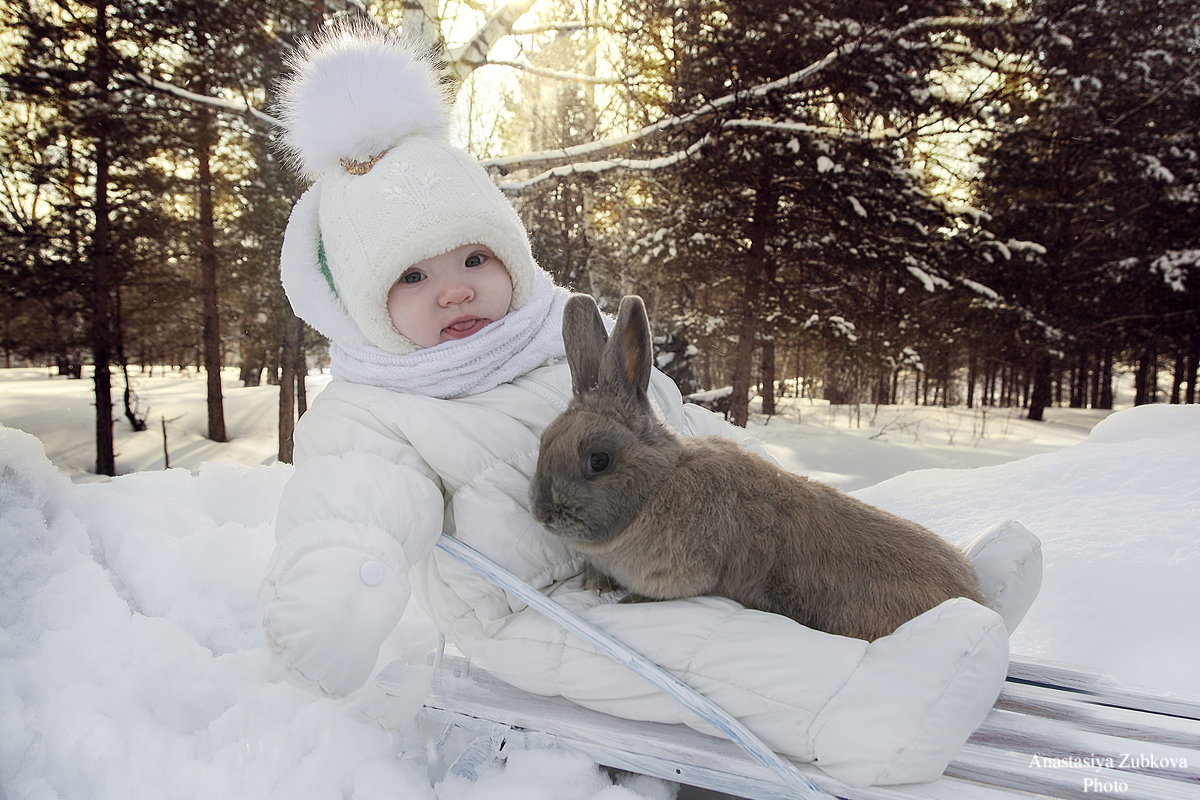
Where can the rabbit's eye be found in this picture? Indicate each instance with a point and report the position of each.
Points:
(598, 462)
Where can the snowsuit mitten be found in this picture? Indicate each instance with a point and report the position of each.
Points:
(334, 590)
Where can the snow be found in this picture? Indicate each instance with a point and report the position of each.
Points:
(131, 665)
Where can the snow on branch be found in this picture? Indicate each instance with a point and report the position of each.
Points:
(566, 25)
(803, 127)
(953, 23)
(981, 289)
(225, 105)
(555, 74)
(786, 82)
(595, 167)
(667, 123)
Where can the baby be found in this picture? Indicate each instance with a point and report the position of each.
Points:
(446, 354)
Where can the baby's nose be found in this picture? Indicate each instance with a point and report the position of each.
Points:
(455, 292)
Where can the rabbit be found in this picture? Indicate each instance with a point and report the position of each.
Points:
(668, 517)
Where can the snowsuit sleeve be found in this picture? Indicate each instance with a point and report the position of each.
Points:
(359, 510)
(816, 697)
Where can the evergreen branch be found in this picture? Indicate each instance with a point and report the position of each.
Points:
(1154, 98)
(1157, 317)
(980, 57)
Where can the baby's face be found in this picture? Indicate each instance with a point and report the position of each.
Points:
(450, 296)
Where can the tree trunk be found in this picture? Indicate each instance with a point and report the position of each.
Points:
(291, 379)
(1189, 368)
(106, 463)
(739, 401)
(1145, 389)
(1105, 397)
(301, 372)
(1079, 381)
(1041, 392)
(1177, 378)
(972, 372)
(765, 201)
(287, 384)
(767, 371)
(213, 355)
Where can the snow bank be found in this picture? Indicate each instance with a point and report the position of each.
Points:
(1119, 519)
(129, 662)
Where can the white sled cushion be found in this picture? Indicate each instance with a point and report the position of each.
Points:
(896, 710)
(920, 692)
(1007, 560)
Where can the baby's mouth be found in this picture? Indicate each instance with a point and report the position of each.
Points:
(463, 327)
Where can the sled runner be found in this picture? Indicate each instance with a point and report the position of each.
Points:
(1055, 731)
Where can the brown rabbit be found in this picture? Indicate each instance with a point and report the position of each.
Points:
(669, 517)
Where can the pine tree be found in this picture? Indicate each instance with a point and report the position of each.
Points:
(1096, 167)
(65, 63)
(800, 212)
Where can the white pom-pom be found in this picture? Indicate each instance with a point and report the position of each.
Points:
(352, 93)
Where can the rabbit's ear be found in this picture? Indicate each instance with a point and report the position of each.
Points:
(625, 368)
(584, 338)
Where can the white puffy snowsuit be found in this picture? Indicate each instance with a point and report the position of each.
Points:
(379, 475)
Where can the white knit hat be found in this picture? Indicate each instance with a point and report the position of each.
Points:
(366, 119)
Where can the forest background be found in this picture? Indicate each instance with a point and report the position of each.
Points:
(935, 202)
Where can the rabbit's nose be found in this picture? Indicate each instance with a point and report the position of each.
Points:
(539, 505)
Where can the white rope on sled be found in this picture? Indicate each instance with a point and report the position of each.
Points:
(617, 650)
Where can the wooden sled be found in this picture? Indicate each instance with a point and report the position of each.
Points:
(1055, 731)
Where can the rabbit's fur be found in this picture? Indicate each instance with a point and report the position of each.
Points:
(669, 517)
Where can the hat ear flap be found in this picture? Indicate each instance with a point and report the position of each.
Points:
(306, 279)
(625, 365)
(584, 338)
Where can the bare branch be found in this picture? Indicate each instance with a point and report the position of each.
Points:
(609, 143)
(556, 74)
(789, 81)
(566, 25)
(596, 167)
(804, 127)
(244, 109)
(466, 59)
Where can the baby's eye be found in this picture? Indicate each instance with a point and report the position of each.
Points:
(475, 259)
(412, 276)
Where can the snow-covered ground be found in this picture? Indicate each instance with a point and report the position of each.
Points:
(130, 664)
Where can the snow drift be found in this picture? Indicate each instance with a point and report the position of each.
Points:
(131, 666)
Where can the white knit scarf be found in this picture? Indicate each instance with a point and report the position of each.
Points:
(506, 349)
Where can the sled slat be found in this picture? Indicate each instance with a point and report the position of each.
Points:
(1012, 771)
(1055, 751)
(1096, 689)
(1024, 748)
(480, 702)
(1041, 701)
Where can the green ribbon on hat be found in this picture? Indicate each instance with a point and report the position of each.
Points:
(324, 264)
